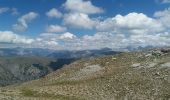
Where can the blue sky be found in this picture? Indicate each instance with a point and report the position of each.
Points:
(84, 24)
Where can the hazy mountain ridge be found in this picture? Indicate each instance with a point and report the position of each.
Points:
(55, 53)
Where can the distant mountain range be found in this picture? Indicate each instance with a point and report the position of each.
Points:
(59, 54)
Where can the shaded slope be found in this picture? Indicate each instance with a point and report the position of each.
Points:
(20, 69)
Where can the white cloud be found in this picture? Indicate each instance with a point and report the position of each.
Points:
(121, 42)
(79, 20)
(51, 43)
(57, 37)
(106, 25)
(55, 29)
(165, 1)
(82, 6)
(131, 23)
(67, 35)
(160, 39)
(10, 37)
(104, 39)
(140, 30)
(47, 40)
(23, 21)
(3, 10)
(48, 37)
(135, 21)
(54, 13)
(163, 17)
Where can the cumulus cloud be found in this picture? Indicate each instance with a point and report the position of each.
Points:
(136, 30)
(67, 35)
(57, 37)
(47, 40)
(121, 41)
(10, 37)
(132, 23)
(82, 6)
(163, 17)
(98, 40)
(56, 41)
(79, 20)
(54, 13)
(160, 39)
(51, 43)
(23, 21)
(135, 21)
(3, 10)
(106, 25)
(55, 29)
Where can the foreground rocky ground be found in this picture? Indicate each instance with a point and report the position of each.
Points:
(126, 76)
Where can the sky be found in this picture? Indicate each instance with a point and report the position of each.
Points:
(84, 24)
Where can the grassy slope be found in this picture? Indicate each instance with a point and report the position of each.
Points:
(132, 76)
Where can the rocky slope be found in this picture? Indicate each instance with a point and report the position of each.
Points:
(126, 76)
